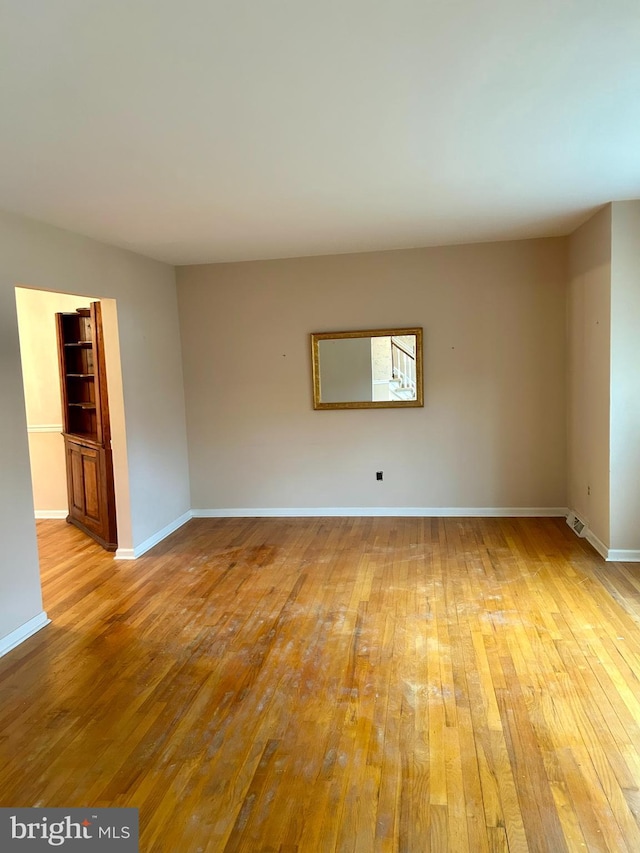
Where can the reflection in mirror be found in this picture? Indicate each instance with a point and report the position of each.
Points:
(367, 370)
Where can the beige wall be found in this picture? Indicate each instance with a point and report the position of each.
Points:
(115, 390)
(625, 376)
(492, 432)
(46, 258)
(589, 342)
(39, 352)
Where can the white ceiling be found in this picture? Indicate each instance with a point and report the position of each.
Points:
(212, 130)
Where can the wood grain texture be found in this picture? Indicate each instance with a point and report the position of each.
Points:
(344, 684)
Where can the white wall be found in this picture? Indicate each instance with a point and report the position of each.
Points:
(492, 432)
(625, 376)
(36, 255)
(589, 344)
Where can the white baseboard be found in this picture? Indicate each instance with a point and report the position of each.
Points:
(139, 550)
(611, 555)
(23, 633)
(393, 511)
(617, 555)
(596, 543)
(583, 531)
(51, 513)
(124, 554)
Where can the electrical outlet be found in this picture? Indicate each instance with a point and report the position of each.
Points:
(588, 490)
(378, 475)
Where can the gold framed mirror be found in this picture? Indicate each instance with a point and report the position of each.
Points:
(372, 369)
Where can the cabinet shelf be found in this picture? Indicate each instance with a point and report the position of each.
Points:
(85, 419)
(84, 437)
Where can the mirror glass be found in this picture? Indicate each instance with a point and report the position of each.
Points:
(380, 368)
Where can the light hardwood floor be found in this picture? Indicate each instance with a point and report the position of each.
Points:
(319, 685)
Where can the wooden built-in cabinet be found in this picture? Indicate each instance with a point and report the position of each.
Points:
(86, 429)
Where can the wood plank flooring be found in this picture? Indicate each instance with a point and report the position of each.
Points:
(319, 685)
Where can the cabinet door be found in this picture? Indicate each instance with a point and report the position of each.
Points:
(91, 503)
